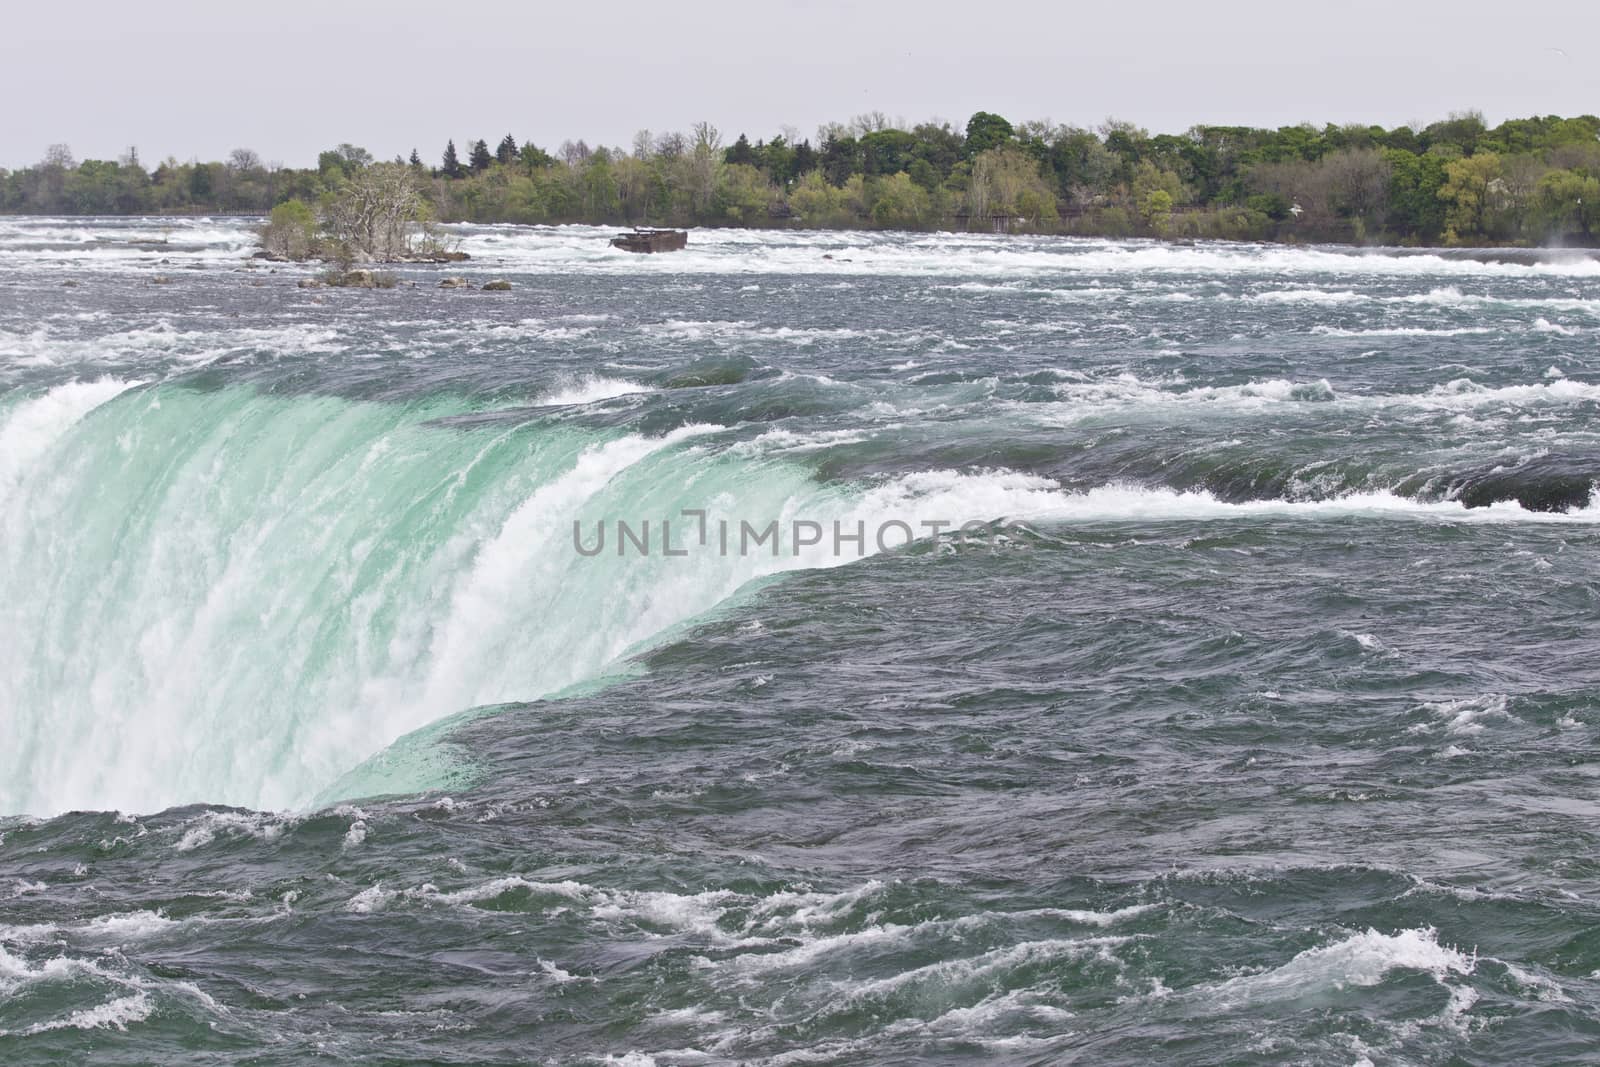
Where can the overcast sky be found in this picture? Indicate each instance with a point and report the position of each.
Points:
(289, 78)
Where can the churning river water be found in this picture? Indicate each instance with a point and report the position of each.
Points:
(391, 676)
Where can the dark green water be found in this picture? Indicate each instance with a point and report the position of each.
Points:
(1252, 722)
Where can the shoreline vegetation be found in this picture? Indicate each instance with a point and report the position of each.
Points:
(1531, 182)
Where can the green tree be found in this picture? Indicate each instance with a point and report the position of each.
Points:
(805, 159)
(743, 194)
(534, 158)
(506, 153)
(1415, 208)
(1156, 209)
(481, 159)
(1468, 185)
(450, 166)
(1567, 202)
(1148, 179)
(1008, 181)
(816, 202)
(899, 203)
(203, 181)
(985, 130)
(291, 231)
(740, 152)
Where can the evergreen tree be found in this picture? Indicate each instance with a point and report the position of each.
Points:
(452, 166)
(805, 159)
(416, 160)
(506, 154)
(481, 159)
(740, 152)
(839, 159)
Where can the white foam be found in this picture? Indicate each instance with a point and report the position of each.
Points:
(985, 965)
(1361, 960)
(1402, 331)
(372, 899)
(115, 1014)
(128, 926)
(1086, 398)
(204, 829)
(1009, 495)
(30, 428)
(1308, 296)
(1466, 716)
(967, 257)
(16, 972)
(590, 390)
(1097, 918)
(1544, 325)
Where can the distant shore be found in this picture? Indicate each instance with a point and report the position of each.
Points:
(1456, 183)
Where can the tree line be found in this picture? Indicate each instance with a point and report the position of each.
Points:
(1458, 181)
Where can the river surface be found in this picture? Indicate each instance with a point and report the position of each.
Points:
(800, 649)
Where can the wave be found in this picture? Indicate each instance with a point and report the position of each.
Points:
(1458, 394)
(1141, 504)
(1406, 331)
(590, 390)
(553, 249)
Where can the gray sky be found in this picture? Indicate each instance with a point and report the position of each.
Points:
(289, 78)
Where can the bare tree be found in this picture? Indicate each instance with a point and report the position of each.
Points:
(1351, 184)
(375, 212)
(244, 160)
(706, 163)
(706, 137)
(870, 122)
(830, 131)
(671, 145)
(1357, 183)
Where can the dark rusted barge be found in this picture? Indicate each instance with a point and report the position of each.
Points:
(643, 239)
